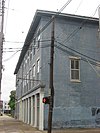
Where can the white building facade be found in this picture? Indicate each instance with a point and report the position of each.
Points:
(6, 107)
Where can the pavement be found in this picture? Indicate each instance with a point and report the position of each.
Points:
(11, 125)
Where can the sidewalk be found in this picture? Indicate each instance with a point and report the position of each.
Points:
(11, 125)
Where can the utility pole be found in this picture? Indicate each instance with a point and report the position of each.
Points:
(2, 24)
(51, 77)
(99, 21)
(1, 39)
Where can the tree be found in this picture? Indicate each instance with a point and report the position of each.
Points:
(12, 100)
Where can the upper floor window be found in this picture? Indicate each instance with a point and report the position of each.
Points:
(38, 41)
(34, 46)
(75, 69)
(38, 70)
(33, 74)
(28, 59)
(38, 66)
(30, 53)
(30, 79)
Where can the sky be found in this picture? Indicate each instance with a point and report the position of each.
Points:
(17, 20)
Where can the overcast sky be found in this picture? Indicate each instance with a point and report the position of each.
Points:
(18, 17)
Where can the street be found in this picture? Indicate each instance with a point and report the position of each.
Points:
(11, 125)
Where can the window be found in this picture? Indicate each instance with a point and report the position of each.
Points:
(23, 83)
(30, 53)
(38, 66)
(25, 88)
(27, 82)
(38, 39)
(75, 68)
(38, 43)
(34, 47)
(33, 74)
(34, 71)
(28, 59)
(25, 63)
(30, 79)
(38, 70)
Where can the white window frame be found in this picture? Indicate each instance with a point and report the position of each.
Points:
(74, 69)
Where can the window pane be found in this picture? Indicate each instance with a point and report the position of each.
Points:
(77, 64)
(38, 66)
(34, 71)
(72, 64)
(75, 74)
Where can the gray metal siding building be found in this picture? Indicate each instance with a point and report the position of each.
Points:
(76, 72)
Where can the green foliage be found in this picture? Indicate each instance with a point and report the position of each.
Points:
(12, 100)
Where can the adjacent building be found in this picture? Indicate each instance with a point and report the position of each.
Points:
(6, 108)
(76, 72)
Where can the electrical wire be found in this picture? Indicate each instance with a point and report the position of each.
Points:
(73, 33)
(83, 57)
(63, 7)
(93, 68)
(13, 42)
(20, 49)
(46, 46)
(29, 79)
(77, 51)
(6, 17)
(11, 56)
(49, 22)
(79, 6)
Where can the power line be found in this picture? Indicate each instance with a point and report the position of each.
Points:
(93, 68)
(79, 6)
(92, 60)
(13, 42)
(7, 17)
(73, 33)
(63, 7)
(20, 49)
(49, 22)
(77, 51)
(30, 48)
(45, 40)
(29, 79)
(47, 45)
(11, 56)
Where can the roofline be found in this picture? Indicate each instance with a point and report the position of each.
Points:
(57, 14)
(35, 22)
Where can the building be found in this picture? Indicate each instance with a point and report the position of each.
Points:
(6, 108)
(76, 72)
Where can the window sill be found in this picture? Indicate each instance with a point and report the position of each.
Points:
(75, 81)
